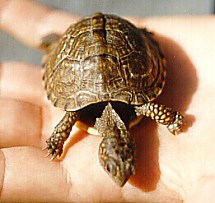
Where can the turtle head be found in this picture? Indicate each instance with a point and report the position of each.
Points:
(116, 151)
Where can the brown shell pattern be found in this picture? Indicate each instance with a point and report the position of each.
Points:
(103, 58)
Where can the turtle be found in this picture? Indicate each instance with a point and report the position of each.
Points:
(104, 72)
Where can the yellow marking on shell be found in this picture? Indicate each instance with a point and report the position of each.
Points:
(89, 129)
(136, 121)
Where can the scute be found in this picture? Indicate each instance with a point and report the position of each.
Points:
(101, 58)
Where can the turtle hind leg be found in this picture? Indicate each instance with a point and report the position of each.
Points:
(60, 134)
(163, 115)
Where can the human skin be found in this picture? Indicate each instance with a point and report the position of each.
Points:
(169, 168)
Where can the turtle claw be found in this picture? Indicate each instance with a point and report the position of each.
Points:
(176, 126)
(59, 136)
(44, 148)
(47, 154)
(53, 150)
(54, 156)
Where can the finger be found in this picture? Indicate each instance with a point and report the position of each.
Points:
(26, 124)
(24, 107)
(29, 177)
(21, 81)
(30, 21)
(21, 123)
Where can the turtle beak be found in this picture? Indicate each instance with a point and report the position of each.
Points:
(122, 174)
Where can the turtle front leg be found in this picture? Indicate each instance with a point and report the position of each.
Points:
(163, 115)
(60, 134)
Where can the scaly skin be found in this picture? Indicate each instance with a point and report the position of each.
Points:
(116, 155)
(116, 151)
(60, 134)
(163, 115)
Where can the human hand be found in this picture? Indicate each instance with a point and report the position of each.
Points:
(169, 168)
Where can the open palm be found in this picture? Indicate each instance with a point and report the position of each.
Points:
(169, 169)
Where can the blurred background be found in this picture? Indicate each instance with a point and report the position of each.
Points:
(12, 50)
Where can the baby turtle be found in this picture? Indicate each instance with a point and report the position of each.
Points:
(106, 72)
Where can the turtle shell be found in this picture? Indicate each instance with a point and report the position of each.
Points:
(104, 58)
